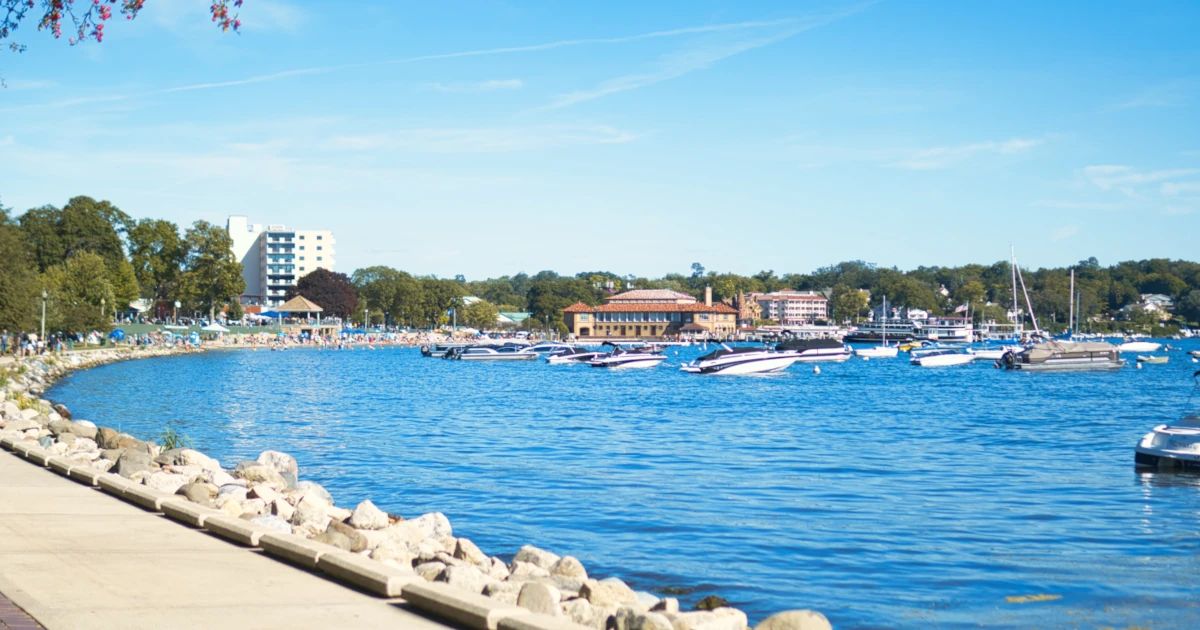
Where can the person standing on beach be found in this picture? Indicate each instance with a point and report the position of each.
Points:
(4, 342)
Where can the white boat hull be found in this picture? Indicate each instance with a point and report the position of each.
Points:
(988, 355)
(642, 362)
(1139, 346)
(1168, 448)
(878, 352)
(499, 357)
(750, 366)
(813, 356)
(943, 360)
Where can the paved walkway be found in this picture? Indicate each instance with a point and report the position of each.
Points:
(75, 558)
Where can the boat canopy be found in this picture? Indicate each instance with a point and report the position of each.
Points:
(724, 352)
(1042, 351)
(800, 345)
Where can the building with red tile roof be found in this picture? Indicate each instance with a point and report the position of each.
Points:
(651, 314)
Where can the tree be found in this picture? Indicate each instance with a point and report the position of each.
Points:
(234, 311)
(41, 228)
(394, 291)
(437, 297)
(124, 284)
(80, 293)
(846, 302)
(331, 291)
(158, 254)
(1189, 306)
(480, 315)
(212, 275)
(697, 270)
(18, 278)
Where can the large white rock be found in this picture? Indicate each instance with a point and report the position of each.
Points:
(607, 594)
(505, 592)
(585, 614)
(541, 598)
(367, 516)
(391, 549)
(309, 520)
(405, 531)
(467, 578)
(568, 566)
(519, 570)
(164, 481)
(280, 462)
(464, 549)
(433, 525)
(534, 555)
(282, 509)
(218, 478)
(716, 619)
(795, 620)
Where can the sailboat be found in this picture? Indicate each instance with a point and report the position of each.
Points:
(882, 351)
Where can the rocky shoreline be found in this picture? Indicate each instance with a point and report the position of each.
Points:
(268, 493)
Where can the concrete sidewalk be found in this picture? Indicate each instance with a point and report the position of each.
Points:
(76, 558)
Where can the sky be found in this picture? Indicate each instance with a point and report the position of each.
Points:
(488, 138)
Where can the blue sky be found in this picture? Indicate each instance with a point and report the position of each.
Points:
(488, 138)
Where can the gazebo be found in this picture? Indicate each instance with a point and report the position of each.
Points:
(301, 304)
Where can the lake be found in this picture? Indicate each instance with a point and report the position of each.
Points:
(880, 493)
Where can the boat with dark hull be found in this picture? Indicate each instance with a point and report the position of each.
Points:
(809, 350)
(1063, 356)
(628, 358)
(1171, 447)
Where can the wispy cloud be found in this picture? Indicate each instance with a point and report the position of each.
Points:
(478, 86)
(1126, 178)
(1078, 205)
(1064, 232)
(677, 64)
(1181, 188)
(17, 85)
(482, 140)
(943, 157)
(1174, 93)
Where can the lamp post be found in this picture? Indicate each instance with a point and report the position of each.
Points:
(176, 316)
(101, 308)
(45, 295)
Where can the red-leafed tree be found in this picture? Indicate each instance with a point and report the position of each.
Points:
(85, 19)
(331, 291)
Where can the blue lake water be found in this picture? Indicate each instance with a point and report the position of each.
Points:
(882, 494)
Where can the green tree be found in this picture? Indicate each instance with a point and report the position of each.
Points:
(437, 297)
(1189, 306)
(846, 302)
(480, 315)
(80, 294)
(157, 253)
(212, 275)
(397, 292)
(234, 311)
(972, 292)
(124, 284)
(18, 278)
(41, 228)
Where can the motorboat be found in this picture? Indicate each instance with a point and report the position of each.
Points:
(549, 347)
(987, 353)
(877, 352)
(944, 357)
(492, 353)
(628, 358)
(935, 348)
(752, 360)
(439, 351)
(1063, 356)
(809, 350)
(1153, 360)
(573, 356)
(1139, 346)
(1171, 447)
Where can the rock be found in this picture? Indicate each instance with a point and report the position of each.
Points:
(165, 481)
(282, 509)
(220, 478)
(273, 522)
(376, 537)
(338, 513)
(58, 448)
(62, 410)
(187, 457)
(358, 542)
(106, 437)
(111, 453)
(279, 462)
(716, 619)
(312, 487)
(133, 461)
(467, 578)
(795, 620)
(259, 474)
(46, 441)
(311, 500)
(254, 506)
(58, 427)
(585, 614)
(466, 550)
(405, 531)
(230, 505)
(126, 441)
(496, 569)
(264, 492)
(334, 538)
(649, 621)
(544, 599)
(30, 414)
(21, 425)
(429, 570)
(67, 438)
(434, 525)
(568, 566)
(84, 444)
(526, 571)
(201, 493)
(103, 465)
(711, 602)
(666, 605)
(607, 594)
(646, 599)
(367, 516)
(311, 520)
(232, 490)
(505, 592)
(449, 560)
(11, 410)
(84, 429)
(392, 549)
(289, 480)
(539, 557)
(563, 583)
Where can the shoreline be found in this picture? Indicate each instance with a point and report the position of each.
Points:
(268, 496)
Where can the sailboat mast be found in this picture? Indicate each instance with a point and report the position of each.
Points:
(885, 320)
(1071, 318)
(1025, 290)
(1013, 253)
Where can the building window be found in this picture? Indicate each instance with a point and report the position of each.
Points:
(302, 269)
(318, 238)
(703, 317)
(301, 248)
(318, 248)
(301, 258)
(583, 317)
(302, 237)
(318, 258)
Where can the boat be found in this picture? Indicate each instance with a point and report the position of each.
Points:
(628, 358)
(875, 332)
(573, 356)
(952, 329)
(549, 347)
(1171, 447)
(1153, 360)
(492, 353)
(439, 350)
(882, 351)
(1063, 356)
(1139, 346)
(987, 353)
(809, 350)
(943, 358)
(935, 348)
(751, 360)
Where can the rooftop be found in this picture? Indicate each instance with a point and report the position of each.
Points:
(650, 295)
(651, 307)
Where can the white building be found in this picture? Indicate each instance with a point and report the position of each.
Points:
(791, 308)
(274, 258)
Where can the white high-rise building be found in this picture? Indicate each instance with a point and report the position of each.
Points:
(275, 258)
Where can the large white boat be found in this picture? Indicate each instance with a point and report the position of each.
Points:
(573, 356)
(492, 353)
(944, 329)
(942, 358)
(894, 328)
(987, 353)
(1063, 356)
(728, 360)
(809, 350)
(1171, 447)
(628, 358)
(1139, 346)
(883, 350)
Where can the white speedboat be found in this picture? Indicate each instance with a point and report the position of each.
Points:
(492, 353)
(728, 360)
(809, 350)
(1063, 356)
(573, 356)
(877, 352)
(987, 354)
(1171, 447)
(549, 347)
(628, 358)
(1139, 346)
(942, 358)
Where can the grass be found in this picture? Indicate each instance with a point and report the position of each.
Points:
(174, 439)
(25, 402)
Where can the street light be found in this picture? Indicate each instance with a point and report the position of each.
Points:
(101, 308)
(45, 295)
